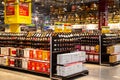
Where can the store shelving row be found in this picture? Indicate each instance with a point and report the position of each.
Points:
(46, 53)
(20, 51)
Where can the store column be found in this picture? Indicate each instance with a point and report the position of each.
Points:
(17, 12)
(103, 13)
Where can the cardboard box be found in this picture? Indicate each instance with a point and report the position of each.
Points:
(32, 54)
(29, 65)
(26, 53)
(82, 48)
(116, 49)
(113, 49)
(112, 58)
(5, 61)
(39, 54)
(45, 55)
(12, 62)
(19, 52)
(96, 58)
(91, 58)
(71, 57)
(4, 50)
(87, 48)
(46, 68)
(18, 63)
(74, 57)
(12, 51)
(37, 67)
(92, 49)
(64, 58)
(24, 63)
(110, 50)
(70, 69)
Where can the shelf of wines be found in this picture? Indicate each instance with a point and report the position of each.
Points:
(29, 59)
(62, 42)
(65, 58)
(25, 40)
(110, 48)
(29, 51)
(37, 52)
(89, 42)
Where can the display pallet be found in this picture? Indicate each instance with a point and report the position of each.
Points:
(57, 77)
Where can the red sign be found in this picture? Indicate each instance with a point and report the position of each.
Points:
(24, 9)
(10, 9)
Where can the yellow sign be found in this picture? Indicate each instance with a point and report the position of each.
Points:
(105, 29)
(17, 13)
(63, 27)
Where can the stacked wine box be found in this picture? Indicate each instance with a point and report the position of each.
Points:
(29, 59)
(114, 52)
(70, 63)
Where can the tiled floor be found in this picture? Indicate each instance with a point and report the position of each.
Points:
(96, 72)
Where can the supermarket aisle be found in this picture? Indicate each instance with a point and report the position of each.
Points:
(13, 75)
(96, 73)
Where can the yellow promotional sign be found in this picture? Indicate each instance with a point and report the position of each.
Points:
(58, 27)
(63, 27)
(105, 29)
(17, 12)
(67, 27)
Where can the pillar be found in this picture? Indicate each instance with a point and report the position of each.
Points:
(103, 13)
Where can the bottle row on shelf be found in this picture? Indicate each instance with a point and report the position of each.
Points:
(109, 39)
(66, 41)
(30, 40)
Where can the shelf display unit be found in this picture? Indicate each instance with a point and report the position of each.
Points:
(110, 49)
(38, 52)
(65, 57)
(26, 51)
(90, 43)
